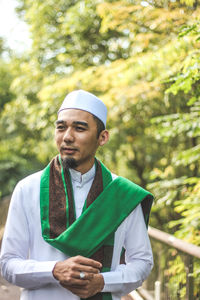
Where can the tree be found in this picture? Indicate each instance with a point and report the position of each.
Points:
(181, 182)
(128, 53)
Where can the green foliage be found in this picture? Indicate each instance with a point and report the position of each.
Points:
(66, 34)
(142, 60)
(177, 278)
(6, 76)
(184, 128)
(5, 80)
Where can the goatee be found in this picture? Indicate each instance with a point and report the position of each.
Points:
(69, 163)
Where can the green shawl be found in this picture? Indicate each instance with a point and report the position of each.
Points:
(100, 218)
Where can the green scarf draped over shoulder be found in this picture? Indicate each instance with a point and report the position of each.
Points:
(107, 205)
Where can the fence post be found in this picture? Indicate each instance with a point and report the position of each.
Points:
(157, 290)
(189, 278)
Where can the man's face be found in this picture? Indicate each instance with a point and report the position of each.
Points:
(76, 137)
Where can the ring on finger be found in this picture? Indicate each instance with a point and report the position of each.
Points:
(82, 275)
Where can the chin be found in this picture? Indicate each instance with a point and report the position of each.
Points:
(69, 162)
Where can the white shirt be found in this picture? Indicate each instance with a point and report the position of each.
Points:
(27, 260)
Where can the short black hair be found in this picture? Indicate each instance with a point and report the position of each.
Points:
(100, 125)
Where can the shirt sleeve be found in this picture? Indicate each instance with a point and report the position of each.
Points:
(16, 267)
(139, 259)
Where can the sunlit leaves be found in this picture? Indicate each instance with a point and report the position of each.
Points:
(183, 127)
(142, 59)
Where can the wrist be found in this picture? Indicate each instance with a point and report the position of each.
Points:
(54, 271)
(100, 281)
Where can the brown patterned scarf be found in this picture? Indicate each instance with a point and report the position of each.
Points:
(57, 210)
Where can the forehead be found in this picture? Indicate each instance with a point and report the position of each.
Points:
(71, 115)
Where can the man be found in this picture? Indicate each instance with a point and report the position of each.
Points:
(68, 224)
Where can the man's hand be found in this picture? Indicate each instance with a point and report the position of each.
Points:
(90, 288)
(68, 271)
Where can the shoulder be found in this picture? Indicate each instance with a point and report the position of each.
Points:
(27, 191)
(30, 179)
(29, 184)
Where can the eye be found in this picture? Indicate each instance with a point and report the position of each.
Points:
(80, 128)
(60, 127)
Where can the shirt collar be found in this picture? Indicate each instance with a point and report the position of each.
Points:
(77, 176)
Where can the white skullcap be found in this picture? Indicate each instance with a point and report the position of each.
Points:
(85, 101)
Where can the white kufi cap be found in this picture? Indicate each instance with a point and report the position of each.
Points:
(85, 101)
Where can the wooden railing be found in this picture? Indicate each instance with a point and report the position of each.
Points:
(189, 250)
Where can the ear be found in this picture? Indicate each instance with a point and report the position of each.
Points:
(103, 137)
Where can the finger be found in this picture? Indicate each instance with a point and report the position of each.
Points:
(74, 282)
(88, 276)
(79, 287)
(87, 269)
(88, 262)
(82, 293)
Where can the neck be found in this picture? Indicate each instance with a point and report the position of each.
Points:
(85, 167)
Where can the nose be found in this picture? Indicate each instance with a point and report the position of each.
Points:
(68, 136)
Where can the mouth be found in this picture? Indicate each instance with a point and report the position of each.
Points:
(68, 150)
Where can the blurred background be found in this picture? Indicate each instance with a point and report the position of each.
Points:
(142, 58)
